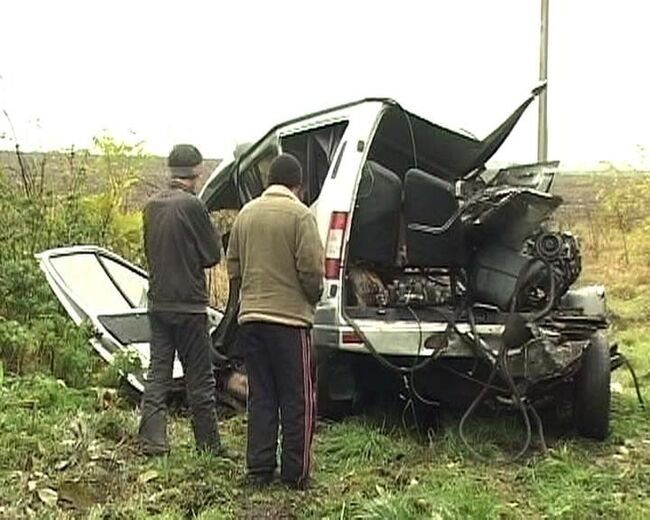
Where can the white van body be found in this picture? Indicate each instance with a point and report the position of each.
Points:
(350, 339)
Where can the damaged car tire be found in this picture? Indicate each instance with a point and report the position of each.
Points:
(591, 402)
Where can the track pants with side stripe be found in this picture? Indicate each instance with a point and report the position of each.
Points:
(281, 391)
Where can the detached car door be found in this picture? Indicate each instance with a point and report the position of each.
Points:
(99, 287)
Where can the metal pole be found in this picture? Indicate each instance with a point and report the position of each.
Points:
(542, 130)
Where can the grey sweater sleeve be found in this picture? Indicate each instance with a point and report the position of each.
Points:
(207, 238)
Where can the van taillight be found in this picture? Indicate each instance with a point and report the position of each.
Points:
(334, 245)
(349, 338)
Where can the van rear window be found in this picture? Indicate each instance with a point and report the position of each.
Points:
(315, 149)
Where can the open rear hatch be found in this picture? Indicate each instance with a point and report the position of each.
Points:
(425, 222)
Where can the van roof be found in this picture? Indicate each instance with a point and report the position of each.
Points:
(474, 152)
(448, 153)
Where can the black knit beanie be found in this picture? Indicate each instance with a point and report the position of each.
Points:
(285, 169)
(182, 160)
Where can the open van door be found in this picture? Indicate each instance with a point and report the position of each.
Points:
(101, 288)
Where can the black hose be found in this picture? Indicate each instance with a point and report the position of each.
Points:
(551, 295)
(382, 359)
(522, 277)
(477, 400)
(501, 366)
(540, 427)
(506, 372)
(518, 402)
(637, 387)
(411, 387)
(418, 366)
(508, 377)
(411, 380)
(474, 343)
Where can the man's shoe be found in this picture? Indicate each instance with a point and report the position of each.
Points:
(221, 452)
(152, 453)
(298, 485)
(259, 480)
(151, 450)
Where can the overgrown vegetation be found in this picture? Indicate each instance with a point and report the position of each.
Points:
(67, 441)
(38, 212)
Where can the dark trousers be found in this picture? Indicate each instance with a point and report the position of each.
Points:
(186, 334)
(281, 390)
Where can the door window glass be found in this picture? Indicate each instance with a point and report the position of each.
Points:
(133, 284)
(315, 149)
(93, 290)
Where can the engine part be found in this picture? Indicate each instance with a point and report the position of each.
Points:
(496, 269)
(548, 246)
(417, 290)
(365, 288)
(413, 290)
(495, 272)
(561, 251)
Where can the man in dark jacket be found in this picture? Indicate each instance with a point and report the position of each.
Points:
(276, 256)
(180, 242)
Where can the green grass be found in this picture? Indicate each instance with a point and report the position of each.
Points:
(80, 444)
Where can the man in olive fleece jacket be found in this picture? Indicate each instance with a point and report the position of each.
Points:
(180, 242)
(276, 256)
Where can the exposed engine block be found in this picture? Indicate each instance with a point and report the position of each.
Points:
(562, 252)
(493, 277)
(416, 290)
(412, 289)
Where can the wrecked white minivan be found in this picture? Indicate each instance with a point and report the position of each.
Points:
(443, 280)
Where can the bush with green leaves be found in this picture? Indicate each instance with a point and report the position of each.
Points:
(40, 210)
(17, 344)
